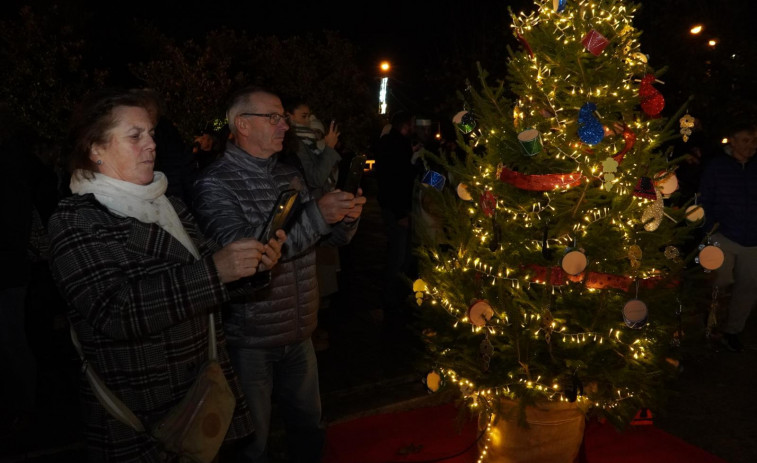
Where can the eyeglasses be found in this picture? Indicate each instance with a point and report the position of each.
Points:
(273, 118)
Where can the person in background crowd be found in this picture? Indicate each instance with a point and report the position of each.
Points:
(270, 332)
(139, 277)
(729, 197)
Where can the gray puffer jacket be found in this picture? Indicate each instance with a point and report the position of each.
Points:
(232, 199)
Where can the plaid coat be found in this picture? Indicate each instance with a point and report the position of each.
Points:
(139, 303)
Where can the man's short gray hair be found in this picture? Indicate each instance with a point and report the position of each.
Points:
(240, 103)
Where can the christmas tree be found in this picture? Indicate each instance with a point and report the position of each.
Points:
(556, 272)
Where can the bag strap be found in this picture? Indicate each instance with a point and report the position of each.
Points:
(105, 396)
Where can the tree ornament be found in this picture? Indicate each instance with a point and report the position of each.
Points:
(694, 213)
(652, 216)
(487, 350)
(666, 182)
(634, 255)
(419, 287)
(465, 122)
(559, 5)
(434, 179)
(480, 312)
(530, 141)
(710, 257)
(594, 42)
(645, 189)
(590, 131)
(463, 193)
(574, 261)
(525, 44)
(630, 139)
(635, 314)
(672, 253)
(488, 203)
(687, 123)
(433, 381)
(650, 98)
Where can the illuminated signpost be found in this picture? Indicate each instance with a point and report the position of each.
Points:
(384, 87)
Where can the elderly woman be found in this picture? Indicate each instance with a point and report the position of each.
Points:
(140, 279)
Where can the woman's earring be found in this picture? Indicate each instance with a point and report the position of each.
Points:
(99, 162)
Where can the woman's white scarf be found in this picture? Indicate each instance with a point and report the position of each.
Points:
(146, 203)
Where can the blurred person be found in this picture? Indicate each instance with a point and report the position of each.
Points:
(139, 278)
(728, 189)
(317, 158)
(396, 175)
(269, 333)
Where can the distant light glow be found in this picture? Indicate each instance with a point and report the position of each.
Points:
(712, 42)
(382, 95)
(385, 66)
(696, 29)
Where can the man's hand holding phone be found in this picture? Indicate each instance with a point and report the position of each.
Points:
(272, 251)
(338, 204)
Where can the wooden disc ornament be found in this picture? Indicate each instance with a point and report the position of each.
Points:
(694, 213)
(574, 261)
(710, 257)
(635, 314)
(666, 182)
(480, 312)
(463, 193)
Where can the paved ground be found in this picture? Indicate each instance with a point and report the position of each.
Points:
(371, 365)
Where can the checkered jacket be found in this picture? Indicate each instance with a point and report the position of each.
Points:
(139, 303)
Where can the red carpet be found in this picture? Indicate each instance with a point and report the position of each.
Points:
(430, 434)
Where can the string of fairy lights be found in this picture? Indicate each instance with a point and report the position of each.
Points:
(544, 83)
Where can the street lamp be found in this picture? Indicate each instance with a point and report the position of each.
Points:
(384, 66)
(696, 29)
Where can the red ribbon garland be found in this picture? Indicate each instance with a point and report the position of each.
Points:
(592, 280)
(545, 182)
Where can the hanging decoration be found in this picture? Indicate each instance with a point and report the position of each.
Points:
(687, 123)
(634, 256)
(559, 5)
(480, 312)
(666, 182)
(635, 314)
(630, 139)
(650, 98)
(434, 179)
(433, 381)
(464, 121)
(594, 42)
(486, 349)
(525, 44)
(609, 167)
(463, 193)
(694, 213)
(652, 215)
(488, 203)
(710, 257)
(645, 189)
(543, 182)
(530, 141)
(419, 287)
(672, 253)
(574, 261)
(590, 130)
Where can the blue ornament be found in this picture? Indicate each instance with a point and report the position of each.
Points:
(590, 130)
(559, 5)
(434, 179)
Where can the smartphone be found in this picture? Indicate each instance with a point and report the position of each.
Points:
(281, 214)
(352, 182)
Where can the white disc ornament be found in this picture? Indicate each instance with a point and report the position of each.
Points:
(635, 313)
(463, 193)
(480, 312)
(667, 183)
(694, 213)
(710, 257)
(573, 262)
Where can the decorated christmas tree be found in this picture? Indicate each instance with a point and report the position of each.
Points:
(555, 274)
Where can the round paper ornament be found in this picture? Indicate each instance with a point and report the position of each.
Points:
(635, 314)
(710, 257)
(573, 262)
(666, 182)
(480, 312)
(694, 213)
(433, 381)
(463, 193)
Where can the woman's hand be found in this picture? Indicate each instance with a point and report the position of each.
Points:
(272, 251)
(239, 259)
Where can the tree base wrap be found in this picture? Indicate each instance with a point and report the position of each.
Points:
(554, 434)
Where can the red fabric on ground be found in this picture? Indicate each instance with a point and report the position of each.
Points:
(431, 434)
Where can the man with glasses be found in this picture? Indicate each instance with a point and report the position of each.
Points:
(268, 331)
